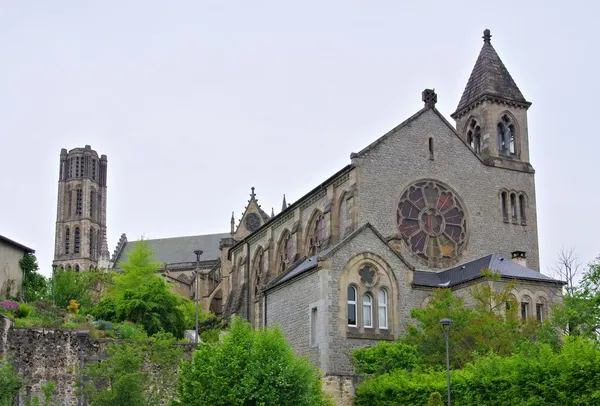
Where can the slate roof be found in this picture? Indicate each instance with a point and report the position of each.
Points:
(181, 249)
(301, 266)
(16, 244)
(489, 78)
(472, 270)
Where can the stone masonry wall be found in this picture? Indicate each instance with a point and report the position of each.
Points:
(403, 157)
(41, 355)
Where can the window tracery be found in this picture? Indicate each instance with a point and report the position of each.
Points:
(432, 222)
(285, 252)
(474, 136)
(76, 246)
(506, 136)
(67, 240)
(316, 240)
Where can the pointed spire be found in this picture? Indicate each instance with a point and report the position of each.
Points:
(252, 195)
(232, 224)
(272, 212)
(489, 78)
(284, 204)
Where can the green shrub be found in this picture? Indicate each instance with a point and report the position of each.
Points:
(129, 331)
(435, 399)
(23, 311)
(535, 375)
(386, 357)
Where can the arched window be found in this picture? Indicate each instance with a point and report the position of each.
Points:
(67, 240)
(261, 271)
(352, 306)
(525, 301)
(76, 267)
(540, 309)
(367, 310)
(317, 238)
(431, 148)
(474, 136)
(513, 206)
(92, 250)
(285, 252)
(382, 308)
(522, 208)
(77, 241)
(504, 210)
(506, 136)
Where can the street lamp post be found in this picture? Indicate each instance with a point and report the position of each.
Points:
(198, 253)
(446, 323)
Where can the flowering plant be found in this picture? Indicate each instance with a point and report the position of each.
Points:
(9, 305)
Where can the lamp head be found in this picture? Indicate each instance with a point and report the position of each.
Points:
(446, 323)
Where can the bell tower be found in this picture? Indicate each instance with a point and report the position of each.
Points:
(492, 113)
(80, 240)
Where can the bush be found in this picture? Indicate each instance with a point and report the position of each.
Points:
(9, 305)
(435, 399)
(10, 382)
(249, 367)
(386, 357)
(129, 331)
(533, 376)
(23, 311)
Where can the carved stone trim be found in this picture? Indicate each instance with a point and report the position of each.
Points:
(341, 180)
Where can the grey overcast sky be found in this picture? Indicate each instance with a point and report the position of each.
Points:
(194, 102)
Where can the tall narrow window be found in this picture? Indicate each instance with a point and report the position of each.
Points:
(506, 136)
(513, 208)
(76, 267)
(77, 167)
(77, 241)
(503, 203)
(93, 169)
(522, 208)
(474, 136)
(539, 312)
(431, 148)
(313, 326)
(92, 205)
(524, 310)
(67, 240)
(289, 248)
(343, 217)
(92, 250)
(79, 203)
(367, 310)
(352, 306)
(382, 306)
(318, 235)
(70, 204)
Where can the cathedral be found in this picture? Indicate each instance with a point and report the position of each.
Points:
(429, 204)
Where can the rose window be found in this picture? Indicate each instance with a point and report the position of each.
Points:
(431, 221)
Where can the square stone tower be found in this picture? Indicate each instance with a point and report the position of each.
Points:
(80, 241)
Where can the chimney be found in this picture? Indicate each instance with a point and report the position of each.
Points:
(519, 258)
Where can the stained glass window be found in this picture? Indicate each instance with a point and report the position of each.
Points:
(432, 221)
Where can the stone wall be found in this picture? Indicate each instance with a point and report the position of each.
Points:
(43, 355)
(341, 388)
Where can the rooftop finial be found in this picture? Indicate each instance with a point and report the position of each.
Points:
(429, 97)
(283, 204)
(487, 36)
(252, 195)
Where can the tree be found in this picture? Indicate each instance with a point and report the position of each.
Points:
(142, 296)
(72, 285)
(249, 367)
(140, 372)
(435, 399)
(567, 268)
(35, 285)
(489, 324)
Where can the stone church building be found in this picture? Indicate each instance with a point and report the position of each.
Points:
(429, 204)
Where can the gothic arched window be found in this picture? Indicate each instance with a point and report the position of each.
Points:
(92, 204)
(522, 208)
(506, 136)
(513, 206)
(79, 203)
(77, 241)
(474, 136)
(317, 236)
(285, 252)
(504, 210)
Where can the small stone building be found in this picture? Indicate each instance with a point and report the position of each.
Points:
(11, 274)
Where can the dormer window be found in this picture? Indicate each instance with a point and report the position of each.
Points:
(506, 136)
(474, 136)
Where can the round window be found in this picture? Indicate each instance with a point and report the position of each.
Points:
(432, 222)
